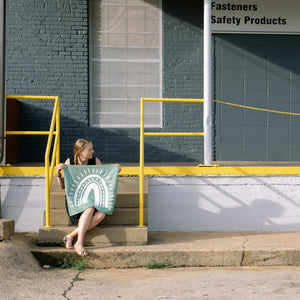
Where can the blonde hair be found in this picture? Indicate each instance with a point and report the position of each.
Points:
(78, 147)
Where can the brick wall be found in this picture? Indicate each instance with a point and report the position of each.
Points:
(47, 54)
(183, 76)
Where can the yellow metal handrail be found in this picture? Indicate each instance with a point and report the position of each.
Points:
(55, 123)
(143, 134)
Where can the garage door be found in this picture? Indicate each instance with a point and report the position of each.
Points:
(260, 71)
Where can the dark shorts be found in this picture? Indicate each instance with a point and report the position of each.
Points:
(75, 218)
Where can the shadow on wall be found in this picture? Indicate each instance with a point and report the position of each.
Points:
(21, 201)
(211, 204)
(110, 145)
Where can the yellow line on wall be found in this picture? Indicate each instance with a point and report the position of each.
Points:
(228, 170)
(24, 171)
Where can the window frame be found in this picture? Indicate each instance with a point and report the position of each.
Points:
(158, 124)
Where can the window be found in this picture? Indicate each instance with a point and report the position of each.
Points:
(125, 62)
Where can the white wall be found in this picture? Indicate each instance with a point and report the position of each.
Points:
(23, 200)
(224, 203)
(182, 203)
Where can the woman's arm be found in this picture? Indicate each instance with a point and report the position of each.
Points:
(60, 174)
(98, 162)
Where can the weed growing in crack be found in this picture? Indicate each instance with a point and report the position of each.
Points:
(155, 265)
(76, 278)
(74, 263)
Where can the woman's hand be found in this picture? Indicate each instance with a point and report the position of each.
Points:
(59, 168)
(119, 166)
(60, 176)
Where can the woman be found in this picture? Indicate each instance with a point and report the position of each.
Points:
(88, 219)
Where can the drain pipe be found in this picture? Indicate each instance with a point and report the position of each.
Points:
(2, 77)
(207, 83)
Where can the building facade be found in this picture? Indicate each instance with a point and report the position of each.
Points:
(100, 57)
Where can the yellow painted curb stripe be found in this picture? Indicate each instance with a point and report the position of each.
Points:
(235, 170)
(22, 171)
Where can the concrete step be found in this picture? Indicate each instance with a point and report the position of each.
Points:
(103, 236)
(189, 249)
(120, 216)
(131, 183)
(117, 229)
(124, 199)
(125, 216)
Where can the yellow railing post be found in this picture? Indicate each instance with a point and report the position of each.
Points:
(142, 150)
(55, 124)
(58, 132)
(141, 179)
(49, 172)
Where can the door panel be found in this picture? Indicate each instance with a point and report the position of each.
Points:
(259, 71)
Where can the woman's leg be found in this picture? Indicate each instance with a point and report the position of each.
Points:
(84, 224)
(96, 219)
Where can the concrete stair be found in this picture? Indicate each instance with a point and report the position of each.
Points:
(121, 228)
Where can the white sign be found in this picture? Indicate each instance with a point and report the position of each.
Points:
(255, 16)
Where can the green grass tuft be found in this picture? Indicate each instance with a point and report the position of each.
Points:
(155, 265)
(74, 263)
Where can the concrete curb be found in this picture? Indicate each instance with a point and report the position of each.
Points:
(186, 249)
(104, 259)
(7, 228)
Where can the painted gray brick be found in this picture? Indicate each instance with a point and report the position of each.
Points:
(47, 54)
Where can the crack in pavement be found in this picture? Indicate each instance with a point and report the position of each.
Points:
(269, 258)
(76, 278)
(243, 250)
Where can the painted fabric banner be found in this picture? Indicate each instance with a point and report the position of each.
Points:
(91, 185)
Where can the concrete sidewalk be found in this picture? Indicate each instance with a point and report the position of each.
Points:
(190, 249)
(21, 276)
